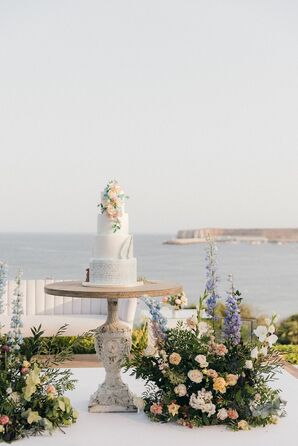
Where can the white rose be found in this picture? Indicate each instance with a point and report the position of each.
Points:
(248, 364)
(180, 390)
(195, 375)
(261, 332)
(201, 359)
(272, 339)
(9, 390)
(254, 353)
(203, 327)
(222, 414)
(177, 301)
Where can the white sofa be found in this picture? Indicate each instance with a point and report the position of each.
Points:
(54, 311)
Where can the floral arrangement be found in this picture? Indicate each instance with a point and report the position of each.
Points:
(197, 377)
(3, 280)
(112, 203)
(32, 397)
(177, 301)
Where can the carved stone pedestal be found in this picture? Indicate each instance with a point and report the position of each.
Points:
(112, 344)
(113, 339)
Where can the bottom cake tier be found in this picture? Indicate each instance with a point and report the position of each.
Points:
(113, 272)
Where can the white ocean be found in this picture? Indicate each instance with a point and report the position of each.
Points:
(266, 274)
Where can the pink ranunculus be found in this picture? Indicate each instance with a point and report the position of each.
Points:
(156, 409)
(24, 370)
(4, 419)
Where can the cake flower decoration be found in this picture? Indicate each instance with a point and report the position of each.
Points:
(112, 203)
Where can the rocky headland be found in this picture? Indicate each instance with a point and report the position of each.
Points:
(234, 235)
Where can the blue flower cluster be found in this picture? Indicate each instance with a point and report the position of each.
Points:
(212, 278)
(15, 336)
(232, 320)
(3, 281)
(158, 320)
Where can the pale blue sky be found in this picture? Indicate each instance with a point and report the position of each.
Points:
(191, 105)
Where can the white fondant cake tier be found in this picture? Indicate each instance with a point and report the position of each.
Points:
(114, 246)
(105, 224)
(113, 272)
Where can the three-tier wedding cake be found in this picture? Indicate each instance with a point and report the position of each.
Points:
(112, 263)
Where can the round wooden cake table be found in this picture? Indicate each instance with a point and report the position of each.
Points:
(113, 338)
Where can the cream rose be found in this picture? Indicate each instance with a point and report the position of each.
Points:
(180, 390)
(174, 358)
(195, 375)
(222, 414)
(231, 379)
(201, 359)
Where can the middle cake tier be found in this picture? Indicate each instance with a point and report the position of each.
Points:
(113, 246)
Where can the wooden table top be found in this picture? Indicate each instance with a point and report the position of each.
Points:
(148, 288)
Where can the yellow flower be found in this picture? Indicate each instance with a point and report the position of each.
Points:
(242, 424)
(231, 379)
(274, 419)
(220, 385)
(1, 428)
(32, 380)
(26, 364)
(175, 358)
(173, 409)
(32, 416)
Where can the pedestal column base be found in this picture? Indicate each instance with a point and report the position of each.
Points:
(112, 344)
(106, 399)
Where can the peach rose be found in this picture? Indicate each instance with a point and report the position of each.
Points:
(175, 358)
(220, 385)
(51, 389)
(191, 323)
(156, 409)
(231, 379)
(233, 414)
(212, 373)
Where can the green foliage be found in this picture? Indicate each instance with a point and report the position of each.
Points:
(32, 391)
(289, 352)
(288, 330)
